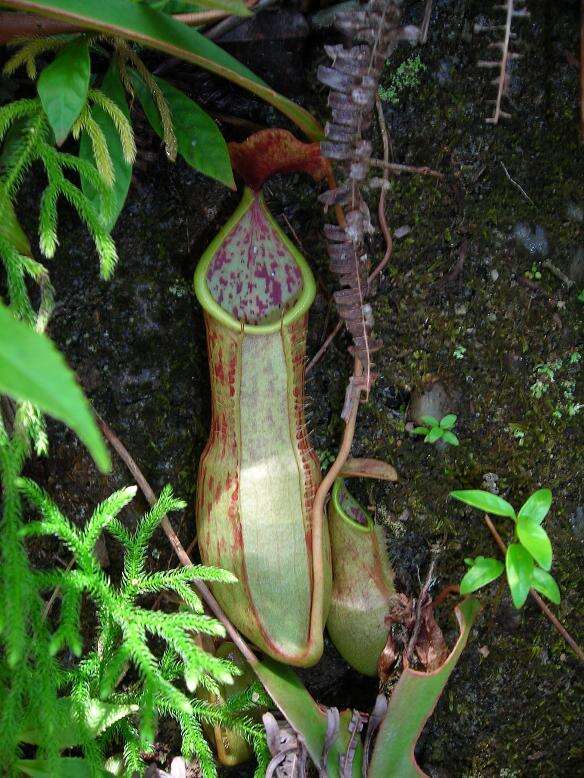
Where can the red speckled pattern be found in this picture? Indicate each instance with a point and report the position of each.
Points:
(253, 276)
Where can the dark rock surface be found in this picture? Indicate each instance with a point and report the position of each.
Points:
(137, 343)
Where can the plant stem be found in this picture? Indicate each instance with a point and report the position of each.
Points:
(542, 605)
(396, 168)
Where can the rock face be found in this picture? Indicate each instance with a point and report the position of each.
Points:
(138, 345)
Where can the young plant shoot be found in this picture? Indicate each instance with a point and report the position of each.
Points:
(529, 556)
(435, 430)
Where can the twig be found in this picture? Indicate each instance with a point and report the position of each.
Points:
(319, 354)
(381, 207)
(231, 22)
(184, 558)
(450, 590)
(425, 26)
(453, 274)
(559, 274)
(317, 512)
(521, 189)
(541, 604)
(394, 167)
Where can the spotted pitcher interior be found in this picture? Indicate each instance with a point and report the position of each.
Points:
(253, 276)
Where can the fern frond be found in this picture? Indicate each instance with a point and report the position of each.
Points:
(29, 51)
(103, 161)
(15, 572)
(105, 512)
(20, 303)
(127, 53)
(34, 132)
(69, 630)
(18, 109)
(106, 248)
(136, 553)
(48, 239)
(121, 123)
(194, 744)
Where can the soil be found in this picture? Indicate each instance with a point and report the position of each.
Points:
(456, 307)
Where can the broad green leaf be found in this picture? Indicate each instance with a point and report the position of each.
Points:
(483, 571)
(535, 539)
(431, 421)
(519, 566)
(199, 140)
(420, 431)
(112, 88)
(537, 506)
(484, 501)
(546, 585)
(435, 434)
(32, 369)
(63, 86)
(448, 422)
(10, 227)
(450, 437)
(159, 31)
(411, 704)
(234, 7)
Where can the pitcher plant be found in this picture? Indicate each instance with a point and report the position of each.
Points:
(258, 473)
(362, 582)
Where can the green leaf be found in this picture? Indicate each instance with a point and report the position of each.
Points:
(112, 88)
(420, 431)
(484, 501)
(519, 566)
(450, 437)
(431, 421)
(32, 369)
(63, 86)
(411, 704)
(200, 141)
(10, 227)
(234, 7)
(535, 539)
(67, 766)
(546, 585)
(448, 421)
(537, 506)
(435, 434)
(159, 31)
(483, 571)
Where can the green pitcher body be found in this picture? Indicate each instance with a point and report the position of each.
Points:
(258, 473)
(363, 582)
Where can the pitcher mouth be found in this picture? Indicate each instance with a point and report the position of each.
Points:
(350, 509)
(276, 295)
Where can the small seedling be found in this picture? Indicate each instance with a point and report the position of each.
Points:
(528, 558)
(534, 274)
(438, 430)
(459, 352)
